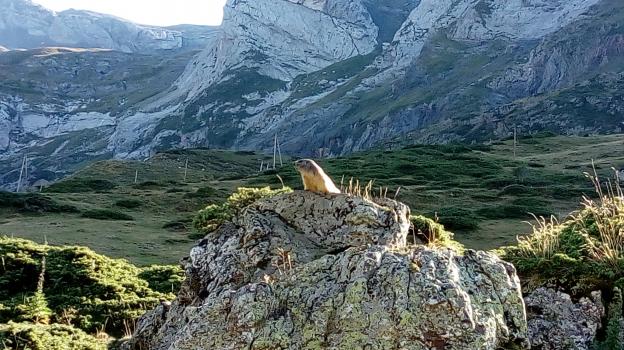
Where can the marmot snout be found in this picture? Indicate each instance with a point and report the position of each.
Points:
(314, 178)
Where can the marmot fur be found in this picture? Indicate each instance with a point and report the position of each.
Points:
(314, 178)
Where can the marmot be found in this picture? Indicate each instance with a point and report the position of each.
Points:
(314, 178)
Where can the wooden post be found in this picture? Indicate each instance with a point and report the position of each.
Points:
(19, 182)
(515, 142)
(279, 151)
(185, 169)
(274, 151)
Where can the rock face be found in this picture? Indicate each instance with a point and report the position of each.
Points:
(556, 322)
(346, 75)
(303, 271)
(25, 25)
(59, 102)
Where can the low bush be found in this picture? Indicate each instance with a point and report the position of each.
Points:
(47, 337)
(583, 253)
(106, 214)
(432, 233)
(149, 185)
(203, 192)
(33, 203)
(455, 218)
(79, 185)
(79, 287)
(211, 217)
(163, 278)
(129, 203)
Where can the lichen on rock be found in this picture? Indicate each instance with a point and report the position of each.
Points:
(305, 271)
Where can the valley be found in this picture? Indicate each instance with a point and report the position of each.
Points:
(481, 193)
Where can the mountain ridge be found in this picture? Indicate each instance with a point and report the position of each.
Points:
(331, 77)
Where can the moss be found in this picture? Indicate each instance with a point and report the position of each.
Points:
(47, 337)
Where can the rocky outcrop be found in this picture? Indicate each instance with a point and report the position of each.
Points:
(25, 25)
(556, 322)
(304, 271)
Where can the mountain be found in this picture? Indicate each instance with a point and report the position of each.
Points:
(26, 25)
(332, 77)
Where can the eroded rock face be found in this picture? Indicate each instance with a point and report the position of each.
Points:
(303, 271)
(556, 322)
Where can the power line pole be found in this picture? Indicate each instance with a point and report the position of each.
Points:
(279, 151)
(274, 151)
(19, 182)
(185, 169)
(515, 142)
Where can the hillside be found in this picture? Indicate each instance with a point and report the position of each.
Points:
(340, 77)
(480, 192)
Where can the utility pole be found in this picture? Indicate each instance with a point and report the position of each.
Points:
(274, 151)
(185, 169)
(19, 182)
(515, 142)
(279, 151)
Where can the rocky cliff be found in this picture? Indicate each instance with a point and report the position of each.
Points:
(450, 70)
(303, 271)
(26, 25)
(343, 76)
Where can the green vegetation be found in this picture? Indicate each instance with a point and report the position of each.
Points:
(129, 203)
(33, 203)
(432, 233)
(46, 337)
(481, 193)
(211, 217)
(62, 292)
(582, 254)
(106, 214)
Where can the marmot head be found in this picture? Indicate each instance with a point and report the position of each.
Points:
(306, 165)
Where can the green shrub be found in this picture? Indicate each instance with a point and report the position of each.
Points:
(78, 185)
(46, 337)
(103, 293)
(176, 226)
(455, 218)
(583, 253)
(203, 192)
(106, 214)
(129, 203)
(33, 203)
(149, 185)
(432, 233)
(211, 217)
(163, 278)
(35, 309)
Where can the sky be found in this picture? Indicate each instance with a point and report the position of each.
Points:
(152, 12)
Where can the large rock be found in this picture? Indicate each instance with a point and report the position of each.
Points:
(556, 322)
(303, 271)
